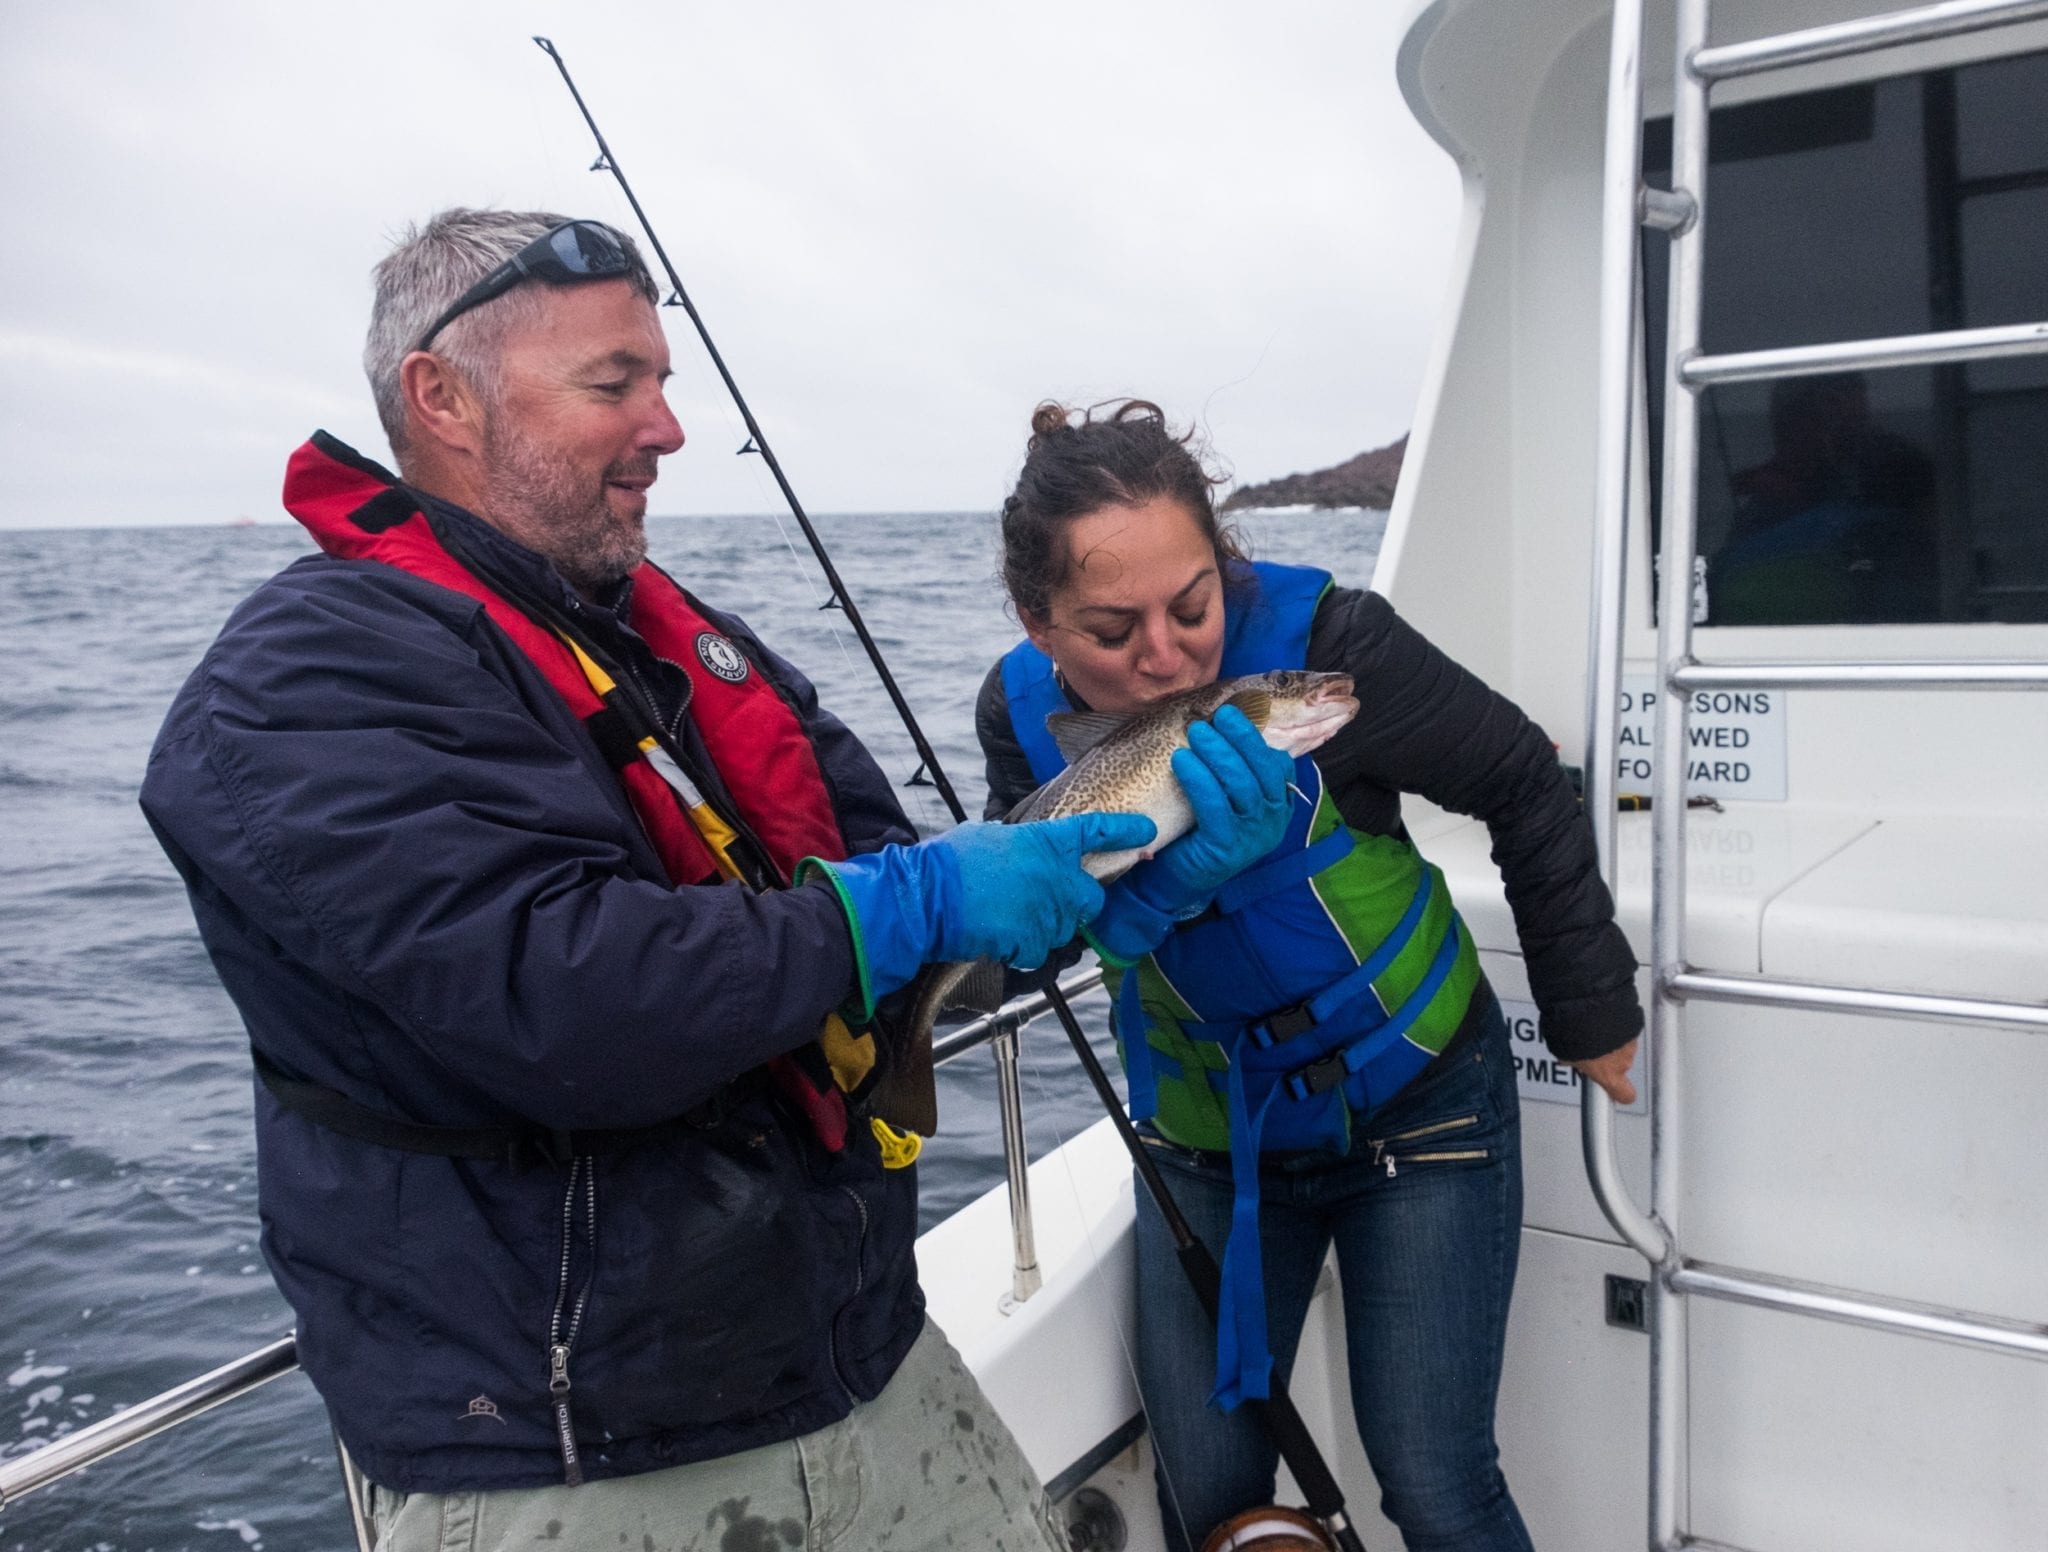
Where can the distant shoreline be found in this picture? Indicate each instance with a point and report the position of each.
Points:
(1366, 482)
(1304, 508)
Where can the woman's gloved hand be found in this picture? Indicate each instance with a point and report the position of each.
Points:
(1012, 893)
(1237, 785)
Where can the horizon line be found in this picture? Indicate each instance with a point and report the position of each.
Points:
(286, 520)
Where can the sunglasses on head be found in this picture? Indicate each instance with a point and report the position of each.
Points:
(574, 251)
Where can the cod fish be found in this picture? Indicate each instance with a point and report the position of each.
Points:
(1116, 763)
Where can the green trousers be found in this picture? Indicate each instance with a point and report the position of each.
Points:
(926, 1464)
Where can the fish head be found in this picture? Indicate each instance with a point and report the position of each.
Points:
(1119, 763)
(1296, 709)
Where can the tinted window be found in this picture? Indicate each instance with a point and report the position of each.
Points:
(1901, 206)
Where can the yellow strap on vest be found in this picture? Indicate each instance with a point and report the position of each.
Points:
(718, 835)
(851, 1057)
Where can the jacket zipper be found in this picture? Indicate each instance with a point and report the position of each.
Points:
(672, 732)
(860, 1268)
(630, 677)
(560, 1342)
(674, 726)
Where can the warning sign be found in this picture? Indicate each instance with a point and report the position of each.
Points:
(1735, 742)
(1539, 1075)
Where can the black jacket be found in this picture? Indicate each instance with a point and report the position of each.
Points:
(423, 888)
(1427, 726)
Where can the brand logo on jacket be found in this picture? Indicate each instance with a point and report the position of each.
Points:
(721, 657)
(484, 1406)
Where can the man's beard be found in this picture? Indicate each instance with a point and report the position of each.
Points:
(545, 504)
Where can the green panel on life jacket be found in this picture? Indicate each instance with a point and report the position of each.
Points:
(1365, 895)
(1190, 1113)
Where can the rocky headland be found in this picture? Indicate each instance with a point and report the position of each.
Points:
(1365, 481)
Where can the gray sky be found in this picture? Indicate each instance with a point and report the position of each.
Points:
(904, 222)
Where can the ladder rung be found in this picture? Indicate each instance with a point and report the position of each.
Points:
(1909, 1317)
(1765, 991)
(1961, 674)
(2016, 339)
(1918, 24)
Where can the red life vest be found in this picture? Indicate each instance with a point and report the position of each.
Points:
(355, 511)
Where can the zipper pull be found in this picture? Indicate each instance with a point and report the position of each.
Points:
(1390, 1176)
(565, 1429)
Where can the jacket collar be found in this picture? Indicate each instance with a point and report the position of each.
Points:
(352, 505)
(523, 570)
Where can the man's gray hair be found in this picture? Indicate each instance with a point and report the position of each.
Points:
(421, 278)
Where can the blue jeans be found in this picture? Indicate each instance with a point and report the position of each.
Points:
(1426, 1213)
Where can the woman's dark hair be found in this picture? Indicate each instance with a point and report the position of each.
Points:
(1074, 466)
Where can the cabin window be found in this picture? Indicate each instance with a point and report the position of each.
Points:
(1900, 206)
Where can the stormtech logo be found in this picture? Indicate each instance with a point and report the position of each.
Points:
(721, 657)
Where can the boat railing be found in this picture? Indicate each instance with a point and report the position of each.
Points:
(95, 1442)
(1001, 1030)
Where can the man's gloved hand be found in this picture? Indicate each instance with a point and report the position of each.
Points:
(1237, 785)
(1011, 893)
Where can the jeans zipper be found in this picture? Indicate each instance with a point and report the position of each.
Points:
(860, 1264)
(1456, 1123)
(560, 1341)
(1380, 1156)
(1428, 1158)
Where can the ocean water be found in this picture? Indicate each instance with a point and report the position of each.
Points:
(128, 1232)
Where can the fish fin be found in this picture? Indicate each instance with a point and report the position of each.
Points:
(982, 989)
(907, 1095)
(1257, 706)
(1077, 732)
(1036, 802)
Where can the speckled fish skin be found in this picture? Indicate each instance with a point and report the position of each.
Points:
(1131, 770)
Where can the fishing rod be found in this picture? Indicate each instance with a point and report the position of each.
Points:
(757, 442)
(1277, 1413)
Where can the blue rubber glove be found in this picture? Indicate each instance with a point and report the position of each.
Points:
(1012, 893)
(1237, 785)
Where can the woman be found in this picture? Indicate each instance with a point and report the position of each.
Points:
(1324, 1017)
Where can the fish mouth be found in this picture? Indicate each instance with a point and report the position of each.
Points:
(1310, 732)
(1324, 708)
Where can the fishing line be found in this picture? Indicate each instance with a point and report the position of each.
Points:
(757, 442)
(1276, 1413)
(929, 818)
(719, 403)
(1095, 1260)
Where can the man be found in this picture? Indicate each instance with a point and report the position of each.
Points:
(558, 912)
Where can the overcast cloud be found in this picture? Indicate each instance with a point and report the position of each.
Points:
(905, 223)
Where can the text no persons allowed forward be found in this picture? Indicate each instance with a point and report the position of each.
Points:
(1735, 745)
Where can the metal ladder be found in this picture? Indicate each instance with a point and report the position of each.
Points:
(1627, 205)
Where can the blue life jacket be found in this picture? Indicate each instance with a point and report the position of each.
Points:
(1325, 979)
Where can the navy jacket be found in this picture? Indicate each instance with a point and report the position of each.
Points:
(423, 888)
